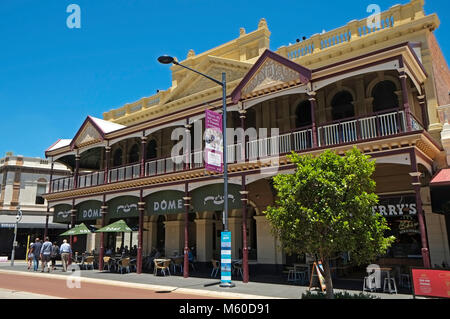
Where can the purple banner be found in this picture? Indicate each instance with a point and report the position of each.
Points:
(213, 142)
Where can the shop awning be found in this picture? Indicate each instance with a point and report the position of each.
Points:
(442, 178)
(37, 222)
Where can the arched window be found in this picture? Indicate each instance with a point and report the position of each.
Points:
(151, 150)
(384, 97)
(134, 154)
(117, 157)
(303, 114)
(342, 106)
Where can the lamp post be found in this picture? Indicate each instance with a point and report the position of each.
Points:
(18, 219)
(165, 59)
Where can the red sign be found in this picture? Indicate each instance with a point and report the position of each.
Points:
(431, 283)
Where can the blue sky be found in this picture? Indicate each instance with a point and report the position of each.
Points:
(52, 77)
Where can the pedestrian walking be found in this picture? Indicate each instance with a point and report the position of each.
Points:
(65, 251)
(30, 256)
(46, 252)
(54, 254)
(36, 248)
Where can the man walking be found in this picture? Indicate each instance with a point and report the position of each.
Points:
(46, 252)
(36, 253)
(65, 251)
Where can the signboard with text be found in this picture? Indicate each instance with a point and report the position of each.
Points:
(225, 266)
(165, 202)
(431, 283)
(213, 142)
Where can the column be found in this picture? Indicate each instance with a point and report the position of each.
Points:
(174, 240)
(77, 168)
(204, 235)
(107, 160)
(234, 226)
(423, 106)
(406, 105)
(149, 237)
(104, 211)
(143, 155)
(50, 186)
(244, 140)
(420, 215)
(313, 103)
(141, 205)
(187, 200)
(268, 250)
(244, 198)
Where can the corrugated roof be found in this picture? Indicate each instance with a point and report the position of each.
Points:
(443, 177)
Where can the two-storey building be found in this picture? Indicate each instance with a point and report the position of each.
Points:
(373, 88)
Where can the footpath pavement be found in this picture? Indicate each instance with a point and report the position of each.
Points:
(170, 286)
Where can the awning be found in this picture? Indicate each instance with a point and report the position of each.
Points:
(442, 178)
(9, 221)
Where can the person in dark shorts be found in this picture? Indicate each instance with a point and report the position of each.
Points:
(46, 252)
(36, 247)
(54, 254)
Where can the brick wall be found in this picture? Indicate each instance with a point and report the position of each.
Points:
(440, 71)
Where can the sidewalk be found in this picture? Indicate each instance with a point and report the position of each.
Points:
(192, 285)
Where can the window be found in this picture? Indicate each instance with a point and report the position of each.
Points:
(303, 114)
(384, 97)
(117, 158)
(41, 190)
(134, 154)
(342, 106)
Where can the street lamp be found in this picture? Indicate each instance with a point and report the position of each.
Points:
(18, 219)
(165, 59)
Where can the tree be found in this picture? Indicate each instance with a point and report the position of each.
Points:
(325, 208)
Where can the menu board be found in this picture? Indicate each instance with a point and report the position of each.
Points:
(431, 283)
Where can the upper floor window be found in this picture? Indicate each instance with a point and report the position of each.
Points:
(134, 154)
(342, 106)
(384, 97)
(117, 157)
(303, 114)
(151, 150)
(41, 190)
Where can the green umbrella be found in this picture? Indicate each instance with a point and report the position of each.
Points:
(117, 227)
(81, 229)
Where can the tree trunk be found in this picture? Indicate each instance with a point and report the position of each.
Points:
(328, 279)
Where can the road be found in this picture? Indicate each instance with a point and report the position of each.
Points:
(56, 287)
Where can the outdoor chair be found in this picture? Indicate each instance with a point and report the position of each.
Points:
(372, 282)
(106, 263)
(237, 268)
(177, 263)
(393, 285)
(216, 268)
(124, 264)
(89, 262)
(162, 266)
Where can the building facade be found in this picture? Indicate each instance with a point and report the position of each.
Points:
(378, 89)
(23, 183)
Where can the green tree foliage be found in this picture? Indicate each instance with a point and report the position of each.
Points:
(325, 208)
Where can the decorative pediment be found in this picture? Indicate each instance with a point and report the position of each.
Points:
(93, 131)
(271, 70)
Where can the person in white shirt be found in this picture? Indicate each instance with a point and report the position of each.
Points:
(65, 251)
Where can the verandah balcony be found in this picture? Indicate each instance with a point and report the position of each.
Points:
(376, 126)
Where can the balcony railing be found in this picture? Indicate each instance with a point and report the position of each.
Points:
(336, 133)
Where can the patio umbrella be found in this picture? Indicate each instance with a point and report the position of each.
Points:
(117, 227)
(81, 229)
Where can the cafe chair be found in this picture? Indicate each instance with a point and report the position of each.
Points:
(177, 263)
(216, 268)
(404, 278)
(386, 284)
(237, 268)
(124, 264)
(89, 262)
(372, 282)
(162, 266)
(106, 263)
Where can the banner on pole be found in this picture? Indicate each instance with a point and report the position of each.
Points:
(213, 142)
(225, 265)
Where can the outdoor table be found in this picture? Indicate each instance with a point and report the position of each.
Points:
(388, 270)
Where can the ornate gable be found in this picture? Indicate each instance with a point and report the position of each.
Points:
(88, 134)
(270, 71)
